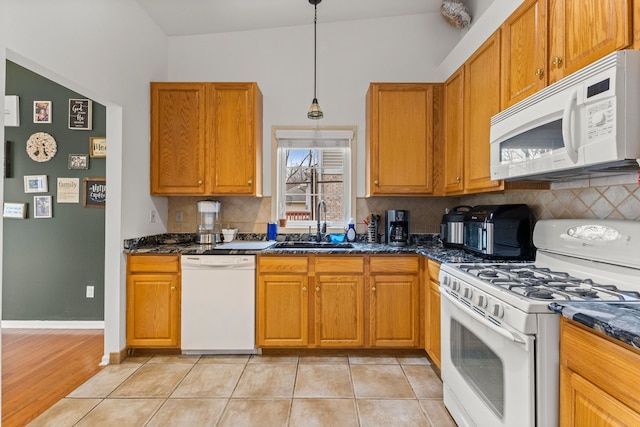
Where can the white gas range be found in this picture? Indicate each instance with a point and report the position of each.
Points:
(500, 340)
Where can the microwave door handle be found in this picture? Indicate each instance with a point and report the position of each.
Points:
(567, 127)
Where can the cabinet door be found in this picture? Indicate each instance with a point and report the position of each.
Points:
(581, 32)
(339, 318)
(481, 102)
(235, 136)
(591, 406)
(524, 52)
(432, 340)
(282, 310)
(153, 310)
(399, 139)
(177, 156)
(394, 303)
(454, 133)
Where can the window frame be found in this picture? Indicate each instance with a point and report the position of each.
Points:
(346, 133)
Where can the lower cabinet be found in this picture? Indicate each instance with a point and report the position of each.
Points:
(282, 312)
(394, 301)
(598, 379)
(432, 315)
(321, 301)
(153, 301)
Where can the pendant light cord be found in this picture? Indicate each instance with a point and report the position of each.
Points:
(315, 48)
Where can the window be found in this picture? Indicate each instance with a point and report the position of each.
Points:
(314, 166)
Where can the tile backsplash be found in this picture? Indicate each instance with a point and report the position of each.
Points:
(610, 199)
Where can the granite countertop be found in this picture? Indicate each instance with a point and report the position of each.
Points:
(619, 320)
(183, 243)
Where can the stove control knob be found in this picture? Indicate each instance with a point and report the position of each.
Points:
(481, 301)
(496, 309)
(446, 280)
(467, 293)
(455, 285)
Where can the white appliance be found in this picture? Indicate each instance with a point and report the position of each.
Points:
(585, 124)
(500, 341)
(218, 304)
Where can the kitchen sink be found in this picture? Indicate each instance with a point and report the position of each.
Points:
(311, 245)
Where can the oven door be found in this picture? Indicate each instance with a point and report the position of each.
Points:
(488, 371)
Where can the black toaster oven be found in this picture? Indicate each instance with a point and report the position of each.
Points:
(500, 231)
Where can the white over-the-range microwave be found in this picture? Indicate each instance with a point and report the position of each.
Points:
(586, 124)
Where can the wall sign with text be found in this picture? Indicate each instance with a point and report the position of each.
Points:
(80, 114)
(95, 192)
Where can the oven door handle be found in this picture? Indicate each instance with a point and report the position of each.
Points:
(508, 334)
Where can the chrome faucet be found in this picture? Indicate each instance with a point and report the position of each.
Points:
(320, 231)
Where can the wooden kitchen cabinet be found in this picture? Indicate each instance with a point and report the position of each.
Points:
(481, 102)
(401, 121)
(206, 139)
(581, 32)
(394, 301)
(339, 301)
(282, 303)
(432, 308)
(453, 133)
(598, 379)
(153, 301)
(524, 52)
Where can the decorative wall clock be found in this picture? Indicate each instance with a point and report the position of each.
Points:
(41, 147)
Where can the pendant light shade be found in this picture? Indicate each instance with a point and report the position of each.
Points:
(315, 112)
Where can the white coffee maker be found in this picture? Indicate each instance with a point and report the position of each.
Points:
(207, 232)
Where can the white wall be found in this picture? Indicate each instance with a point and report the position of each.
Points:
(107, 50)
(350, 56)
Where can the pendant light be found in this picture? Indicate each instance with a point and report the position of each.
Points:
(315, 112)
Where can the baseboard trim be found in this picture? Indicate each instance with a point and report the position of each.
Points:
(114, 358)
(52, 324)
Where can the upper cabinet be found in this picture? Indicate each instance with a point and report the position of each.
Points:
(481, 102)
(453, 133)
(400, 132)
(524, 52)
(581, 32)
(206, 139)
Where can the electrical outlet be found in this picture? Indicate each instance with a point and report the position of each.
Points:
(178, 216)
(90, 290)
(152, 215)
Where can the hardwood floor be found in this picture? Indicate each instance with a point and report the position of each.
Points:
(40, 367)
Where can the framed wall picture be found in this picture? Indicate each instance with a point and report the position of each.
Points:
(98, 147)
(15, 210)
(42, 207)
(35, 184)
(8, 173)
(42, 111)
(78, 161)
(80, 114)
(95, 192)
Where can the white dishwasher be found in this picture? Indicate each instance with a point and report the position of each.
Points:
(218, 304)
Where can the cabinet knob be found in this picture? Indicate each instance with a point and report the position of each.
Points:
(457, 179)
(200, 182)
(540, 72)
(375, 182)
(304, 288)
(317, 288)
(173, 289)
(250, 182)
(557, 61)
(373, 289)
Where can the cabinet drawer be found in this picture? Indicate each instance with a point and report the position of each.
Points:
(283, 264)
(153, 263)
(433, 267)
(394, 264)
(339, 264)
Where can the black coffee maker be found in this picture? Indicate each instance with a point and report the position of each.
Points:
(396, 227)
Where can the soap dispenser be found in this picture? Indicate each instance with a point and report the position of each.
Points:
(351, 231)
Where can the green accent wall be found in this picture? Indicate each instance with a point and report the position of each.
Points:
(48, 262)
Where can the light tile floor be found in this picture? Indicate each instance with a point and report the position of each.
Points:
(266, 391)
